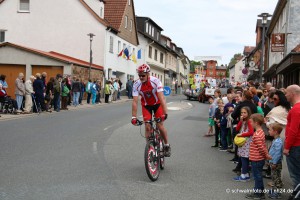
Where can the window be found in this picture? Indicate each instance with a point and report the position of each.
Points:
(147, 27)
(24, 5)
(111, 44)
(157, 36)
(161, 57)
(152, 34)
(155, 54)
(129, 2)
(101, 12)
(126, 21)
(119, 46)
(2, 36)
(131, 25)
(124, 45)
(150, 52)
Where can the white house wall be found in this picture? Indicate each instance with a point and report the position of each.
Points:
(96, 6)
(171, 62)
(10, 55)
(144, 46)
(238, 75)
(114, 63)
(288, 23)
(293, 25)
(280, 27)
(232, 74)
(55, 25)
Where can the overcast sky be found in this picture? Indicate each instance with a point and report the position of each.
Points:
(207, 27)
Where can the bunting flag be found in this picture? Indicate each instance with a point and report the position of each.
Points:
(126, 53)
(121, 53)
(139, 54)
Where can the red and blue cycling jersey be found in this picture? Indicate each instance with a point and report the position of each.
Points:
(148, 91)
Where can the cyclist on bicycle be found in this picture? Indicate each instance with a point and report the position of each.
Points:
(152, 100)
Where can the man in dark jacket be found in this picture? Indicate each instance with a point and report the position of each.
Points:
(38, 88)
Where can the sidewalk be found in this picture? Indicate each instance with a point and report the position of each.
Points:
(5, 117)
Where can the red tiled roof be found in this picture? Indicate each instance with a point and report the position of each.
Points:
(296, 49)
(248, 49)
(54, 55)
(114, 11)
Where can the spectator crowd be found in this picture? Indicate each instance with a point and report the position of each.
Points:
(38, 95)
(259, 125)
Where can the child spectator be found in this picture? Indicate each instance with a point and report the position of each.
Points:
(224, 126)
(217, 118)
(245, 129)
(258, 154)
(217, 96)
(276, 162)
(211, 110)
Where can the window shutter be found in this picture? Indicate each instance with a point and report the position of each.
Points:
(2, 36)
(24, 5)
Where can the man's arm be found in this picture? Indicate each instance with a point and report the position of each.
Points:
(162, 101)
(293, 130)
(134, 105)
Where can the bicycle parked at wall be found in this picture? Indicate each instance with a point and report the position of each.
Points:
(154, 155)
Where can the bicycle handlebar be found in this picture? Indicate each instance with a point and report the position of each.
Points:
(139, 122)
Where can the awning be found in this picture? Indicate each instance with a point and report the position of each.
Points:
(271, 71)
(288, 63)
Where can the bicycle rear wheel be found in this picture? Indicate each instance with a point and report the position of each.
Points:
(152, 161)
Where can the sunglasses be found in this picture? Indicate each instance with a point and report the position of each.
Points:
(142, 75)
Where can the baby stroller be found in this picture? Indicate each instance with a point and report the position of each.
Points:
(8, 105)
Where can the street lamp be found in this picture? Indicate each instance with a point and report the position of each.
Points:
(91, 53)
(264, 22)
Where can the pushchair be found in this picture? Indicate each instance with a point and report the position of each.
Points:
(8, 105)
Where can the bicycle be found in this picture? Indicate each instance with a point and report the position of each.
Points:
(154, 155)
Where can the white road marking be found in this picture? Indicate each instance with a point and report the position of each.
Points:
(107, 128)
(169, 102)
(189, 104)
(95, 148)
(174, 108)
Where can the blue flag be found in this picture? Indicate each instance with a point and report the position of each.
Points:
(126, 52)
(139, 54)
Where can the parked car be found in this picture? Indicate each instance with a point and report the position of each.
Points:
(191, 95)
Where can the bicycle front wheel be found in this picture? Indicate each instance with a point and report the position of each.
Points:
(162, 154)
(152, 161)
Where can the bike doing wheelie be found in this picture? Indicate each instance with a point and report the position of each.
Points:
(154, 155)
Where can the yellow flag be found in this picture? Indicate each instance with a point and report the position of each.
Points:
(133, 57)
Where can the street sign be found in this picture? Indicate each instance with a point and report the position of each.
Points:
(167, 90)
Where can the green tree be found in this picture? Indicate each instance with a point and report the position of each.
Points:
(193, 64)
(235, 59)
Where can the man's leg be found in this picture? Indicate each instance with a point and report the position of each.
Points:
(293, 163)
(163, 132)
